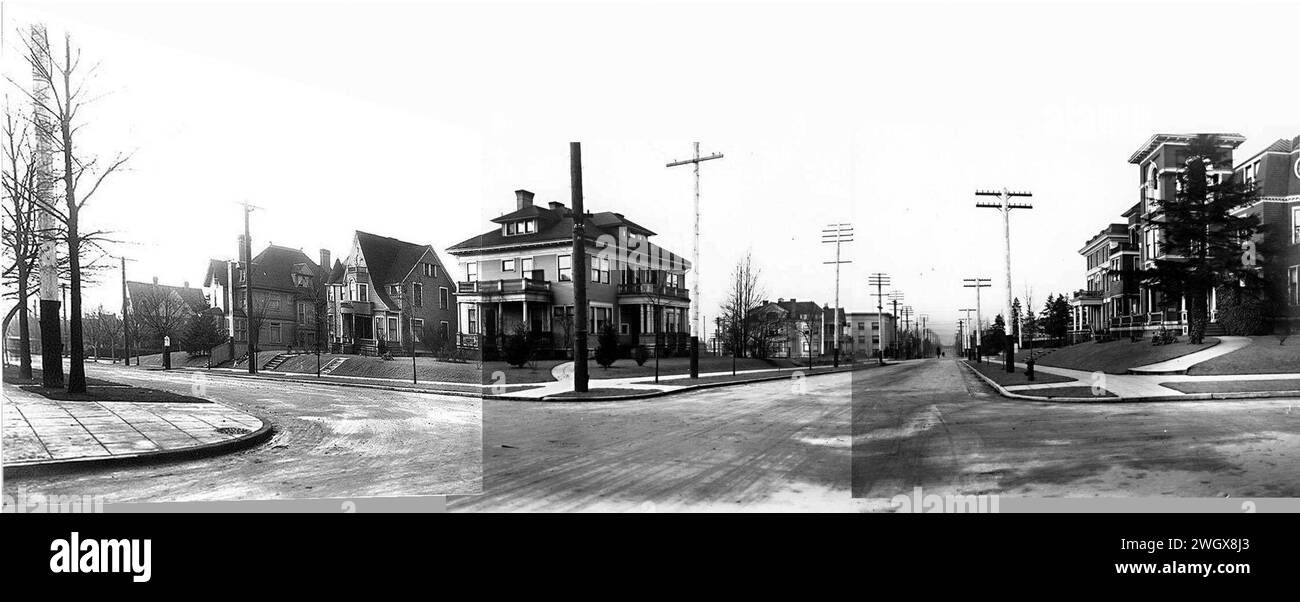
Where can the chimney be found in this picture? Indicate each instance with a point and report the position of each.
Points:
(780, 299)
(523, 198)
(155, 280)
(187, 284)
(325, 259)
(557, 207)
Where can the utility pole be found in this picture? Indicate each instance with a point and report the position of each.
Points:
(837, 234)
(977, 284)
(247, 262)
(895, 297)
(969, 328)
(925, 335)
(580, 274)
(695, 259)
(880, 280)
(907, 327)
(47, 258)
(1005, 205)
(126, 324)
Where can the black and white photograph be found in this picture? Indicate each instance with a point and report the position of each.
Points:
(657, 257)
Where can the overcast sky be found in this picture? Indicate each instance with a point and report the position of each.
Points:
(419, 122)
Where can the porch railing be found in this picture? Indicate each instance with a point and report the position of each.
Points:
(658, 290)
(513, 285)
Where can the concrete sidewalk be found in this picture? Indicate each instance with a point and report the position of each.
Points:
(1180, 365)
(1130, 387)
(43, 432)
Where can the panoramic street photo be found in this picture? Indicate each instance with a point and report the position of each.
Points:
(204, 300)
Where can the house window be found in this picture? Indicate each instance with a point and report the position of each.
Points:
(507, 265)
(444, 330)
(443, 296)
(417, 328)
(417, 291)
(527, 226)
(241, 329)
(392, 328)
(566, 268)
(1295, 226)
(395, 290)
(273, 302)
(599, 269)
(430, 269)
(875, 325)
(862, 325)
(471, 271)
(599, 318)
(471, 316)
(527, 266)
(275, 333)
(302, 313)
(363, 292)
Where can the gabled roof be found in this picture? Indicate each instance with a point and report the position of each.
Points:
(192, 297)
(217, 273)
(336, 272)
(389, 260)
(790, 307)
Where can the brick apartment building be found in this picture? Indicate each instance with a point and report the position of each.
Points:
(521, 273)
(1115, 299)
(392, 291)
(869, 333)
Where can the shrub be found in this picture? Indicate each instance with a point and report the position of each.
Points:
(640, 355)
(1241, 313)
(607, 347)
(517, 348)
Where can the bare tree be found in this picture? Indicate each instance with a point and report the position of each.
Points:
(65, 81)
(21, 234)
(159, 313)
(744, 293)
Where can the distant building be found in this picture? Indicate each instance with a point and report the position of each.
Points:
(790, 328)
(869, 333)
(152, 305)
(521, 273)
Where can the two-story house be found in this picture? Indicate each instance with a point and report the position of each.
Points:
(1111, 258)
(521, 272)
(287, 288)
(790, 328)
(392, 291)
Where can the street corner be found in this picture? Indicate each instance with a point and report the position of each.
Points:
(43, 435)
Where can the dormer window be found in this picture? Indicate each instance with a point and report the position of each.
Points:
(301, 280)
(523, 226)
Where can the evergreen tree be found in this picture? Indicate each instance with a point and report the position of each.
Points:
(1200, 236)
(201, 333)
(607, 347)
(1017, 314)
(994, 339)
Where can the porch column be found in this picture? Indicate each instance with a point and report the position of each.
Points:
(499, 321)
(528, 326)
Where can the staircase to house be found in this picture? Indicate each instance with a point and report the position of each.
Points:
(1215, 329)
(276, 361)
(332, 365)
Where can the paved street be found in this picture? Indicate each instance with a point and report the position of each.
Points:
(331, 442)
(759, 447)
(932, 424)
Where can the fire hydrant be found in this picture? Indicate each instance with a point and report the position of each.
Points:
(1029, 368)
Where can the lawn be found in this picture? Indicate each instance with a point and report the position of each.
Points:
(1076, 392)
(997, 372)
(11, 378)
(117, 393)
(1115, 357)
(1235, 386)
(1263, 356)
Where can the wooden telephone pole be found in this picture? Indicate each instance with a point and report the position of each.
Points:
(580, 274)
(896, 297)
(247, 261)
(837, 234)
(126, 324)
(879, 280)
(1005, 205)
(977, 284)
(695, 259)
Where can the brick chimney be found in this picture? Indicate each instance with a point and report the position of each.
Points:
(523, 198)
(325, 259)
(557, 206)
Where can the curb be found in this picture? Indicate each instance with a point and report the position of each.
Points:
(45, 467)
(1117, 399)
(682, 389)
